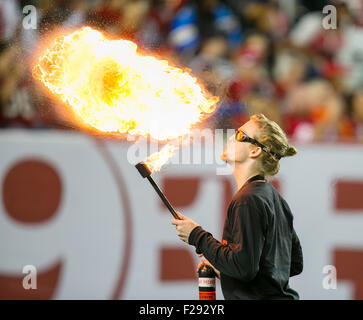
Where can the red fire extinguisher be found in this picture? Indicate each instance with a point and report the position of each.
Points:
(207, 283)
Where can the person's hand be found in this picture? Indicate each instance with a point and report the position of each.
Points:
(184, 227)
(205, 261)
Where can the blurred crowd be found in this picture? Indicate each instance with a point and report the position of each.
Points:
(271, 56)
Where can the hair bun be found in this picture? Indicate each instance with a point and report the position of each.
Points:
(291, 151)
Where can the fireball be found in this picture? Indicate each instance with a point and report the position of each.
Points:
(114, 88)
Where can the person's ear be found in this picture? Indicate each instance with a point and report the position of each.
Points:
(255, 152)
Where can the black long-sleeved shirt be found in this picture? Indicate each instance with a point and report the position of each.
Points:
(260, 249)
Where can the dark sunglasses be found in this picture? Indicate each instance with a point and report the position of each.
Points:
(242, 137)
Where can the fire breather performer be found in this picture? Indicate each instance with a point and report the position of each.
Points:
(111, 87)
(260, 250)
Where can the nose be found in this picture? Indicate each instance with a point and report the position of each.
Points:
(229, 142)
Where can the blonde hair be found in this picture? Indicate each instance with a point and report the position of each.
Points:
(274, 138)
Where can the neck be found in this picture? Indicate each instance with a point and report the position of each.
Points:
(242, 173)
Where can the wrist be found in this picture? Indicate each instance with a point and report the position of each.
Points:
(193, 235)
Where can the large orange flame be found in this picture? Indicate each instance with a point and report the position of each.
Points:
(113, 88)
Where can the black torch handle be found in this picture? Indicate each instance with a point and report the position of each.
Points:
(163, 198)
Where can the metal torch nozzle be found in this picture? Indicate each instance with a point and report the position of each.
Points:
(144, 170)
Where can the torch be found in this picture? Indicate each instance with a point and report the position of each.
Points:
(145, 172)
